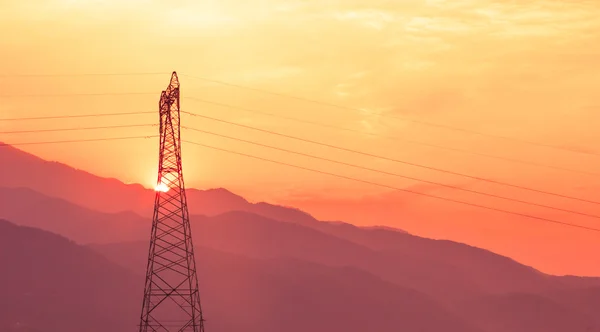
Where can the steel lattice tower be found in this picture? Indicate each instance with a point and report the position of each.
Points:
(171, 296)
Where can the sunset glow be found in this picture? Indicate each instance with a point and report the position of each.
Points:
(339, 165)
(161, 187)
(393, 75)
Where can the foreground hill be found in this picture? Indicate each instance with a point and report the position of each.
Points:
(52, 285)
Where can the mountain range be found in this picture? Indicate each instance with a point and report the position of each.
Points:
(74, 247)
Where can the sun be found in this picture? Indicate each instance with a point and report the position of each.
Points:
(162, 188)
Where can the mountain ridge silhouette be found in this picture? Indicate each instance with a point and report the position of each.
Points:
(268, 242)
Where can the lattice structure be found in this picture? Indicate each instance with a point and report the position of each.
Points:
(171, 296)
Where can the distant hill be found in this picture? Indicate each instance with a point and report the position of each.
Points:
(444, 269)
(52, 285)
(21, 169)
(522, 312)
(24, 170)
(435, 267)
(27, 207)
(569, 311)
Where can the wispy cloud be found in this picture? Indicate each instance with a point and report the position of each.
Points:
(523, 68)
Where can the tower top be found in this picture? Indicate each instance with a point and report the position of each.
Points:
(174, 81)
(173, 86)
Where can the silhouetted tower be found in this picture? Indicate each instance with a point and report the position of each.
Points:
(171, 297)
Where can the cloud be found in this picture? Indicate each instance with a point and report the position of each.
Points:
(515, 68)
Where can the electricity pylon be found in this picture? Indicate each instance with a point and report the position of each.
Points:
(171, 296)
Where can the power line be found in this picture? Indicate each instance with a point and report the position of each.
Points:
(78, 94)
(447, 127)
(75, 116)
(390, 137)
(395, 174)
(392, 159)
(317, 171)
(425, 123)
(317, 124)
(314, 157)
(76, 140)
(399, 189)
(75, 129)
(84, 74)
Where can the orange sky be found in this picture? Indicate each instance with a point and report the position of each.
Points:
(521, 69)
